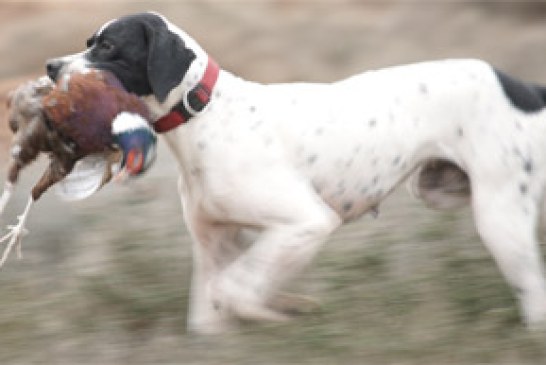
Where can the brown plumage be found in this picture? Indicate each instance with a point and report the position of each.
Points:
(67, 121)
(82, 109)
(32, 136)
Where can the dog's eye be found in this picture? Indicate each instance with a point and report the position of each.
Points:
(106, 46)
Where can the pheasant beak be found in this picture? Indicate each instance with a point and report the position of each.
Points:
(134, 166)
(134, 162)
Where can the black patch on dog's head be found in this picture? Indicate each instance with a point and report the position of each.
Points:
(143, 54)
(528, 98)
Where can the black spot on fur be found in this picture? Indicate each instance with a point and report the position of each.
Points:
(526, 97)
(460, 132)
(347, 206)
(423, 89)
(372, 122)
(340, 188)
(528, 166)
(523, 188)
(391, 118)
(396, 160)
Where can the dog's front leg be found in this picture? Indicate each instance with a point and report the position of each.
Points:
(214, 247)
(294, 223)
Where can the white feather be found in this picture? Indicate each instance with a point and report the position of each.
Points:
(125, 122)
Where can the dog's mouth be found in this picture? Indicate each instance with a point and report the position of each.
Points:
(56, 67)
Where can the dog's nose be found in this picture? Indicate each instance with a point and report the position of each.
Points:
(53, 66)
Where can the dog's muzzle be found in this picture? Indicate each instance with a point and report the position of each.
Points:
(78, 62)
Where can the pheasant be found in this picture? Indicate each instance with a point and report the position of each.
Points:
(86, 122)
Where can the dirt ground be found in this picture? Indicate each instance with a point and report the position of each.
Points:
(105, 281)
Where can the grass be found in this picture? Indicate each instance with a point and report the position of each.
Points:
(392, 292)
(135, 292)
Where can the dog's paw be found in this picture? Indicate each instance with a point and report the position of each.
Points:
(294, 304)
(210, 327)
(244, 302)
(259, 313)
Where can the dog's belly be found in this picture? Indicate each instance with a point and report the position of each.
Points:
(352, 166)
(353, 175)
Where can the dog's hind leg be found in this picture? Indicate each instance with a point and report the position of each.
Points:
(506, 218)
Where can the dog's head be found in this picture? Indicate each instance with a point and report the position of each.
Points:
(144, 51)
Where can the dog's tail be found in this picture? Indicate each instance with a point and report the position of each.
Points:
(524, 96)
(441, 184)
(541, 90)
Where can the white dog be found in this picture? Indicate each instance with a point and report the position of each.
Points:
(294, 161)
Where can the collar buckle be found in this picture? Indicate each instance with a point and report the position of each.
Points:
(197, 99)
(193, 102)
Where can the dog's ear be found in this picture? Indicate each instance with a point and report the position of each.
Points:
(168, 60)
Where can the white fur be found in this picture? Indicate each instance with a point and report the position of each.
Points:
(294, 161)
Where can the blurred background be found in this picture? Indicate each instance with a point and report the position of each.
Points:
(105, 281)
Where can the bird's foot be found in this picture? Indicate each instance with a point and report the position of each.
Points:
(15, 235)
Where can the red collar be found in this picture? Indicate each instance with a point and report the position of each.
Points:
(195, 101)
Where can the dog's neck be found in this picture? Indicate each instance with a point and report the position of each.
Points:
(193, 102)
(194, 74)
